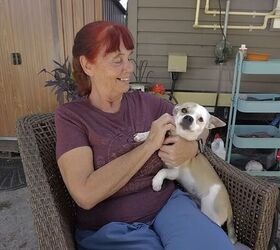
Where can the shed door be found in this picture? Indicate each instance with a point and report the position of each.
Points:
(30, 39)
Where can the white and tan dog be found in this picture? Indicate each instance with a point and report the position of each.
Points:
(197, 176)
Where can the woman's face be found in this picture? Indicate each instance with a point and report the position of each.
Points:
(112, 72)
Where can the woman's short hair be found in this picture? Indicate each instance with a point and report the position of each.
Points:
(90, 40)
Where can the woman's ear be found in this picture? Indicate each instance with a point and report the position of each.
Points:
(86, 65)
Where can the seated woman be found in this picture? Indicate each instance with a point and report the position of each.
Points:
(109, 175)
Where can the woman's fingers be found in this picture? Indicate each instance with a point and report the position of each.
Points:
(171, 139)
(159, 128)
(177, 150)
(164, 119)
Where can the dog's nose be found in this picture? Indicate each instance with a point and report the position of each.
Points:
(187, 122)
(188, 119)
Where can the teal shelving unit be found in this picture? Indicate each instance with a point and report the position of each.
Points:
(253, 136)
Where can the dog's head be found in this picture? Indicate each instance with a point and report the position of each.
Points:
(191, 119)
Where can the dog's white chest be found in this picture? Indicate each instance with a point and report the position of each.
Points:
(186, 179)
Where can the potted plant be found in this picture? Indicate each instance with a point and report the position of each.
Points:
(141, 75)
(158, 89)
(63, 82)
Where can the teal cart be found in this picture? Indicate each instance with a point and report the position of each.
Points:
(238, 135)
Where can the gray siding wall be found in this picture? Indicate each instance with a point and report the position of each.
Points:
(111, 12)
(163, 26)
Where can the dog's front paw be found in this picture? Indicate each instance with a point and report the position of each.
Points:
(139, 137)
(157, 183)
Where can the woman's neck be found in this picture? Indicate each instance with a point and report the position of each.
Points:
(106, 104)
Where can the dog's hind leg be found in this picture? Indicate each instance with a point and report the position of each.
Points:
(208, 207)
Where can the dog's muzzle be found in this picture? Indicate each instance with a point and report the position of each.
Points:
(186, 122)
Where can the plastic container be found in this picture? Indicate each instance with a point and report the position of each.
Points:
(250, 136)
(257, 57)
(278, 159)
(218, 147)
(270, 67)
(244, 50)
(259, 103)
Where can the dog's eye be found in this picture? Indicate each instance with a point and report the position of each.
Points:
(184, 110)
(200, 119)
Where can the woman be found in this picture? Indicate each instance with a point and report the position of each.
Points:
(110, 176)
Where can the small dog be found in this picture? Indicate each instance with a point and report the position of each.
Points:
(197, 176)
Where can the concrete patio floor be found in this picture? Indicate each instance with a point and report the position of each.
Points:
(16, 222)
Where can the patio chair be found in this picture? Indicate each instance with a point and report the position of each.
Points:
(253, 199)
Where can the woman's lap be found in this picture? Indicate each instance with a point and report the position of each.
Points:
(179, 225)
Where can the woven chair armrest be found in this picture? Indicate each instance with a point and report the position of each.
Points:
(52, 230)
(253, 202)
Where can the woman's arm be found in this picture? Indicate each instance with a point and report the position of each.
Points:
(89, 187)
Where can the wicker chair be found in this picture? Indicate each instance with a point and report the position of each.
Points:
(253, 199)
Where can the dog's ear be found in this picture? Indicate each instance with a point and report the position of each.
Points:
(176, 109)
(215, 122)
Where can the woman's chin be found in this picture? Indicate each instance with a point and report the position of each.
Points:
(125, 88)
(122, 86)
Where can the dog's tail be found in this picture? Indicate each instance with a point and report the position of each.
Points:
(230, 227)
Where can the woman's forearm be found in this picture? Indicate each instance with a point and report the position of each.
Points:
(107, 180)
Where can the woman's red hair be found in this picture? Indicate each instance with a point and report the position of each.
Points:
(90, 40)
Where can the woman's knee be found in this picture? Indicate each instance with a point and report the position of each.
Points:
(181, 225)
(198, 233)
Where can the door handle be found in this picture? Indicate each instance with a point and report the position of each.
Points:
(16, 58)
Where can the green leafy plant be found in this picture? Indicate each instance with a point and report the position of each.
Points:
(63, 82)
(141, 74)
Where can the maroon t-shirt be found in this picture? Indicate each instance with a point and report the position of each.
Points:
(110, 135)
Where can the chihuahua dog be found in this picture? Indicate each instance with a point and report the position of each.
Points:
(197, 175)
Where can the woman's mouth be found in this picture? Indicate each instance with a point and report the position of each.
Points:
(123, 79)
(126, 80)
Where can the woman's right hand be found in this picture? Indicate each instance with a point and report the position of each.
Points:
(159, 129)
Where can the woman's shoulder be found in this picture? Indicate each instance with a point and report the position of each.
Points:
(74, 107)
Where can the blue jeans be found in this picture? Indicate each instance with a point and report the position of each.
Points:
(179, 225)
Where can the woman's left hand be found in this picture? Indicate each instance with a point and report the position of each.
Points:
(176, 150)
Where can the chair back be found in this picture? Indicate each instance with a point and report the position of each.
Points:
(53, 208)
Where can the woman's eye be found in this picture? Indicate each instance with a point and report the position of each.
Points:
(117, 61)
(200, 119)
(184, 110)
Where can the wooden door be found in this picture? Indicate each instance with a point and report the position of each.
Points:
(40, 31)
(7, 73)
(30, 28)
